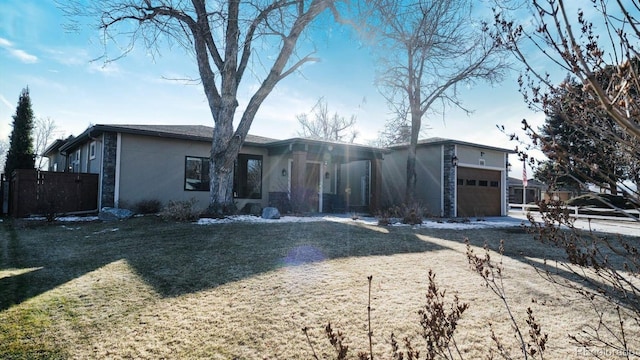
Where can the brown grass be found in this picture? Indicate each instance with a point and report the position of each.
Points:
(150, 289)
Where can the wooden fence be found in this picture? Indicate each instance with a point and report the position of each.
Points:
(46, 193)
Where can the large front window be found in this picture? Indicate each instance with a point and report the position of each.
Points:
(196, 174)
(247, 182)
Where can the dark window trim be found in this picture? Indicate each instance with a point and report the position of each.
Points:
(237, 193)
(204, 183)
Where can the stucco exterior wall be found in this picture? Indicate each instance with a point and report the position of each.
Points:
(429, 178)
(154, 168)
(394, 175)
(428, 172)
(473, 157)
(276, 182)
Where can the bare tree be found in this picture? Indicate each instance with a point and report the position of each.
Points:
(327, 127)
(223, 36)
(428, 48)
(44, 130)
(598, 47)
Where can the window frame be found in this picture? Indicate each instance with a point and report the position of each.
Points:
(203, 185)
(92, 150)
(75, 161)
(241, 188)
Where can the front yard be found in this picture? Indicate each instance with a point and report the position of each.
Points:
(149, 289)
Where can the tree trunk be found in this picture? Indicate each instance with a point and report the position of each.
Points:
(220, 187)
(410, 194)
(221, 164)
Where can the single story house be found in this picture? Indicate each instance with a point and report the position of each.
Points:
(535, 191)
(170, 162)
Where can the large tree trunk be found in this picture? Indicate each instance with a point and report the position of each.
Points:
(410, 194)
(221, 172)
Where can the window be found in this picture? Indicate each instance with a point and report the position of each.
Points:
(483, 183)
(247, 182)
(75, 161)
(460, 182)
(196, 174)
(495, 184)
(92, 150)
(471, 182)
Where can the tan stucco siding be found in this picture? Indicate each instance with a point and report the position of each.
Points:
(153, 168)
(275, 181)
(472, 157)
(428, 172)
(429, 178)
(393, 174)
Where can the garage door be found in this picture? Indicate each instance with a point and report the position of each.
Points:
(479, 192)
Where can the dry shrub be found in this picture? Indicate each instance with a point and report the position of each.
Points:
(149, 206)
(407, 214)
(439, 322)
(180, 210)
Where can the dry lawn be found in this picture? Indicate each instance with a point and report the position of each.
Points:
(147, 289)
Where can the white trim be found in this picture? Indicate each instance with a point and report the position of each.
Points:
(474, 166)
(93, 144)
(442, 187)
(290, 166)
(116, 190)
(455, 177)
(368, 200)
(504, 197)
(321, 186)
(101, 176)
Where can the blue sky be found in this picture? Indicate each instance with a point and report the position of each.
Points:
(65, 85)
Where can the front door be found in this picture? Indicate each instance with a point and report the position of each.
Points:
(312, 185)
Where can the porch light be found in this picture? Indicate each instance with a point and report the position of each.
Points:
(326, 175)
(454, 161)
(284, 172)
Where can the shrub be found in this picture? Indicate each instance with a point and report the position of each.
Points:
(180, 210)
(220, 211)
(150, 206)
(408, 214)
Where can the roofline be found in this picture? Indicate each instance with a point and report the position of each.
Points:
(299, 140)
(56, 144)
(453, 142)
(96, 130)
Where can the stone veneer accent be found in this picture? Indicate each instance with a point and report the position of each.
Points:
(449, 179)
(109, 170)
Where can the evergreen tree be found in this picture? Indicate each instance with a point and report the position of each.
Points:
(576, 138)
(21, 154)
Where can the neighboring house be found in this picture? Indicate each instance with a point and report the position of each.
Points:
(170, 162)
(536, 191)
